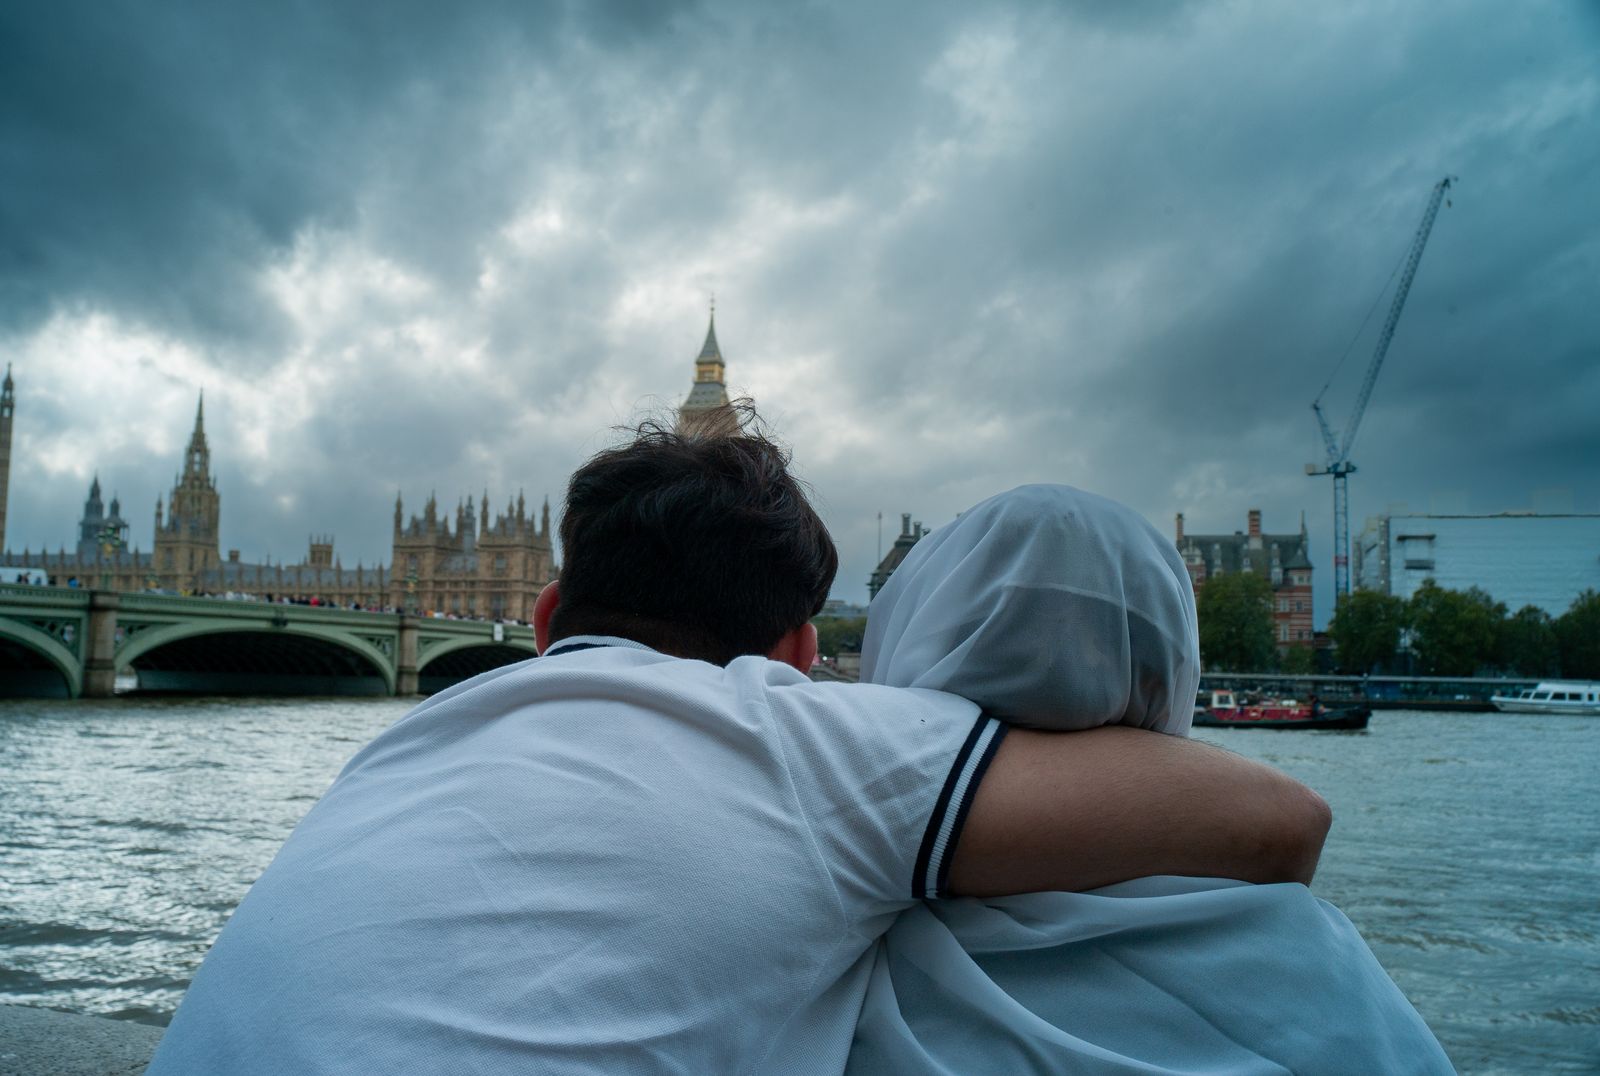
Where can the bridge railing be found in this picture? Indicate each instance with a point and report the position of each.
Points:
(65, 597)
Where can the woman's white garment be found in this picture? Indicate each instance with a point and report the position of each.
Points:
(1059, 609)
(1048, 607)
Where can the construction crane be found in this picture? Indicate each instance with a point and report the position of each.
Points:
(1338, 463)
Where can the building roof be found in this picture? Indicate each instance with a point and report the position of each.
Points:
(707, 395)
(909, 536)
(709, 352)
(1231, 552)
(1481, 515)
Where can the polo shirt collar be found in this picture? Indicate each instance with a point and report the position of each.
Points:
(574, 643)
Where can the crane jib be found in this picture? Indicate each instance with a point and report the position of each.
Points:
(1339, 465)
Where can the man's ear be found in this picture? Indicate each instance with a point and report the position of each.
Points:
(543, 609)
(797, 648)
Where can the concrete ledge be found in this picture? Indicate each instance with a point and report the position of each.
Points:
(43, 1042)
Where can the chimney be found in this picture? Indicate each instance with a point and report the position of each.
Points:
(1180, 528)
(905, 524)
(1255, 523)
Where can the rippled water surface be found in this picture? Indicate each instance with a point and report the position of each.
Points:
(130, 829)
(1466, 848)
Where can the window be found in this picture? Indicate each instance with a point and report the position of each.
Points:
(1283, 633)
(1283, 605)
(1299, 606)
(1416, 550)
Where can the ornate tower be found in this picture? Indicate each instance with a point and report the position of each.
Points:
(94, 517)
(187, 544)
(706, 407)
(102, 535)
(8, 408)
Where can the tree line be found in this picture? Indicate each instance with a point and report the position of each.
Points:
(1437, 632)
(837, 633)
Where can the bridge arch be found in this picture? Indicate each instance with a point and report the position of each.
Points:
(30, 640)
(288, 642)
(464, 658)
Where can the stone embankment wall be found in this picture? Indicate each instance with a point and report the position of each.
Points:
(43, 1042)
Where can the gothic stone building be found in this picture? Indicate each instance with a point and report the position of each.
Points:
(481, 568)
(910, 535)
(1280, 559)
(705, 409)
(184, 555)
(8, 408)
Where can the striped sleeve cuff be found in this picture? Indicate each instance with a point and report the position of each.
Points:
(950, 811)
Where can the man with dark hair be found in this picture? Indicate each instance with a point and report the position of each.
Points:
(660, 847)
(700, 547)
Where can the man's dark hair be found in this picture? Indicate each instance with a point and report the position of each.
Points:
(697, 542)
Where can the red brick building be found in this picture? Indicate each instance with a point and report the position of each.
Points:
(1281, 559)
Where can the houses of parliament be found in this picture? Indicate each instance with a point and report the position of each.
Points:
(477, 564)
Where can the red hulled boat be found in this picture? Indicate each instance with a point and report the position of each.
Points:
(1223, 709)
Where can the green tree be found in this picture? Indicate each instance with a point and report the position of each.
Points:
(1528, 645)
(1454, 632)
(1578, 636)
(1366, 629)
(1235, 613)
(1299, 660)
(839, 633)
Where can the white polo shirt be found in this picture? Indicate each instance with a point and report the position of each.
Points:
(602, 860)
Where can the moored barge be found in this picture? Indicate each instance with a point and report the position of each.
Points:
(1224, 709)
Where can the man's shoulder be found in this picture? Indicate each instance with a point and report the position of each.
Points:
(632, 674)
(789, 688)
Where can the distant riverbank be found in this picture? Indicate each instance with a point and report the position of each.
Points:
(1436, 693)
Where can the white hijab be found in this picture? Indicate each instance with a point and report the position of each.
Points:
(1059, 609)
(1047, 606)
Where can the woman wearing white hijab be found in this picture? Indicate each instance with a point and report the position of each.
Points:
(1057, 609)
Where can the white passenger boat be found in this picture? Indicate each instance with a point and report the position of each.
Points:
(1553, 697)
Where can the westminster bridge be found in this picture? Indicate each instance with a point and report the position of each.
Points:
(66, 642)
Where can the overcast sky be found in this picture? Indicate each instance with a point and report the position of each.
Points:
(954, 247)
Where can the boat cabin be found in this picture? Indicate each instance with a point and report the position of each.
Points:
(1559, 691)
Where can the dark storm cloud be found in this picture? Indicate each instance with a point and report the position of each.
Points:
(960, 246)
(156, 155)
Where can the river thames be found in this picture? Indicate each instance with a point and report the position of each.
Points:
(1466, 847)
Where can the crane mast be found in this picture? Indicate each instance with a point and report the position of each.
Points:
(1338, 451)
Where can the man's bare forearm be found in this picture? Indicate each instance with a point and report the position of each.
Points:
(1078, 810)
